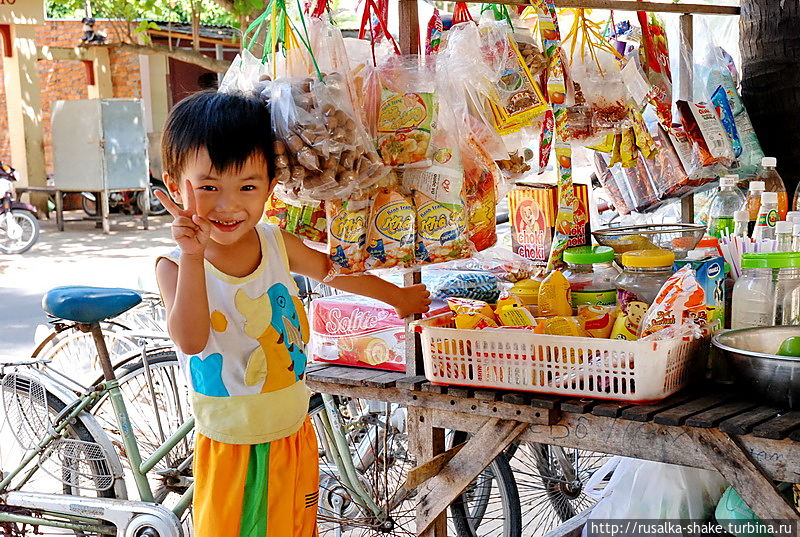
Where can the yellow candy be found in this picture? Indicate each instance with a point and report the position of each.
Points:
(515, 316)
(554, 296)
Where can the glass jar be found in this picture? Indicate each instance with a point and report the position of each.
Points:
(592, 276)
(643, 274)
(768, 291)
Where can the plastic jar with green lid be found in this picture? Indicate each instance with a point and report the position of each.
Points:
(643, 274)
(768, 291)
(592, 276)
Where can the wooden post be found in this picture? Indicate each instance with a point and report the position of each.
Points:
(101, 68)
(686, 91)
(426, 442)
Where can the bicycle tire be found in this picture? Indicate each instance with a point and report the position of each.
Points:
(75, 430)
(500, 470)
(32, 222)
(458, 520)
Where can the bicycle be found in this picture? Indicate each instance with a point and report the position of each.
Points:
(70, 450)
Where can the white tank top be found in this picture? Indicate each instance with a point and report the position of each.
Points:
(248, 383)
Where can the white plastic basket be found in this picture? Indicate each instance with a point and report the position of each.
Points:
(636, 371)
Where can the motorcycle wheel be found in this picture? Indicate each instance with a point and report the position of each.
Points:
(30, 232)
(156, 207)
(89, 203)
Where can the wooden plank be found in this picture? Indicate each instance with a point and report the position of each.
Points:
(629, 5)
(779, 427)
(480, 450)
(459, 391)
(409, 24)
(646, 412)
(516, 398)
(348, 376)
(743, 423)
(578, 406)
(736, 466)
(420, 474)
(487, 395)
(572, 527)
(386, 380)
(713, 416)
(544, 400)
(677, 415)
(434, 388)
(411, 383)
(426, 442)
(610, 409)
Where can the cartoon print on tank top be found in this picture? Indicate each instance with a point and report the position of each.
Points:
(279, 323)
(207, 375)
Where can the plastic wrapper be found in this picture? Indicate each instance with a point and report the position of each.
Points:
(598, 321)
(390, 235)
(480, 177)
(440, 231)
(433, 34)
(407, 111)
(472, 314)
(473, 285)
(322, 151)
(654, 58)
(347, 235)
(499, 261)
(681, 300)
(245, 75)
(304, 220)
(562, 326)
(518, 99)
(706, 134)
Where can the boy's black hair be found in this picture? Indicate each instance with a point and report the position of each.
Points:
(231, 127)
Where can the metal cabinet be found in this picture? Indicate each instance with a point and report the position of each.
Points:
(100, 145)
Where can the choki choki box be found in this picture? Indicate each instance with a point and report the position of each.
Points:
(532, 211)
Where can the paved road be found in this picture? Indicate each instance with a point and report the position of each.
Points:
(80, 255)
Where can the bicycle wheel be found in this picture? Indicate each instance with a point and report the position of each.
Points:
(550, 482)
(379, 447)
(78, 465)
(18, 237)
(76, 357)
(157, 398)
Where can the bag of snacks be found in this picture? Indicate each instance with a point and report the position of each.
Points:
(440, 231)
(709, 141)
(347, 235)
(681, 300)
(304, 220)
(390, 235)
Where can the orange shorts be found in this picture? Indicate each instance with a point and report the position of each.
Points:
(262, 490)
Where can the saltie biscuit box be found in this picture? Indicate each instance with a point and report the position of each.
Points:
(532, 211)
(358, 331)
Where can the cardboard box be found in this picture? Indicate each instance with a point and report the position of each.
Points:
(532, 211)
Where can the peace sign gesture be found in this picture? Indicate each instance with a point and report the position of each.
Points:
(189, 229)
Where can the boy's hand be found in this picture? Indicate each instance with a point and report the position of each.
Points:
(411, 300)
(190, 230)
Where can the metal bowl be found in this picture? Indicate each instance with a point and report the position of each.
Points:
(749, 352)
(679, 238)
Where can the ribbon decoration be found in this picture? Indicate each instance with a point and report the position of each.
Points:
(461, 13)
(380, 11)
(320, 7)
(556, 93)
(433, 37)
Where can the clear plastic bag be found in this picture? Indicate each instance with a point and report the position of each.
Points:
(246, 75)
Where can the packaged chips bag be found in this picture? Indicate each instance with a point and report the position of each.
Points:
(710, 143)
(390, 235)
(681, 300)
(347, 235)
(440, 231)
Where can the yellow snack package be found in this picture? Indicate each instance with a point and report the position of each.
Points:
(515, 316)
(561, 326)
(390, 236)
(598, 320)
(468, 305)
(347, 233)
(527, 291)
(472, 320)
(554, 296)
(627, 326)
(508, 299)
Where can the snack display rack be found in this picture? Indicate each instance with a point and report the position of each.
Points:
(712, 429)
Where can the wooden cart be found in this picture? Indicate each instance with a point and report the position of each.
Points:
(749, 444)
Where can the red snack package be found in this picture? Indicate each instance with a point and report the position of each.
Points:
(681, 300)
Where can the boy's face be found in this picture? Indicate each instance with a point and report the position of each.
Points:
(232, 201)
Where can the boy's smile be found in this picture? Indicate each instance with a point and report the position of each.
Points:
(232, 200)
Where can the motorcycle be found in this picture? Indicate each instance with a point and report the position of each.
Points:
(127, 201)
(19, 224)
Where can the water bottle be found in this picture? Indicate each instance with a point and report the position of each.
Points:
(725, 202)
(796, 237)
(774, 183)
(740, 221)
(793, 216)
(767, 216)
(754, 203)
(783, 233)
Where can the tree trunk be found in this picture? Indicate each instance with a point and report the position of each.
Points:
(770, 46)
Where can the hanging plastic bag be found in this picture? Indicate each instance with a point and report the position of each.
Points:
(654, 58)
(347, 235)
(440, 231)
(706, 135)
(304, 220)
(390, 234)
(639, 489)
(245, 75)
(481, 174)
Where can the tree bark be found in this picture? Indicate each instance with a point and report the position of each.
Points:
(770, 46)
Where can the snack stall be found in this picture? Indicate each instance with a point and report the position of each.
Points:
(599, 347)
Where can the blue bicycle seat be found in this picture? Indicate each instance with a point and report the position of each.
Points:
(88, 304)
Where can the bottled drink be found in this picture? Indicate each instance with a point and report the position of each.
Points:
(796, 199)
(767, 216)
(796, 237)
(740, 220)
(783, 233)
(774, 183)
(725, 202)
(754, 203)
(793, 216)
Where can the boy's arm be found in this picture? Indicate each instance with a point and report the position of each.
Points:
(183, 289)
(316, 265)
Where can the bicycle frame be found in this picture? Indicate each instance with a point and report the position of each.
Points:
(139, 468)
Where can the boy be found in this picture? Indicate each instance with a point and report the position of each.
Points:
(238, 326)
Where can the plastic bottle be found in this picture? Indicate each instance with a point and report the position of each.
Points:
(754, 203)
(783, 233)
(740, 220)
(774, 183)
(725, 202)
(767, 216)
(796, 237)
(793, 216)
